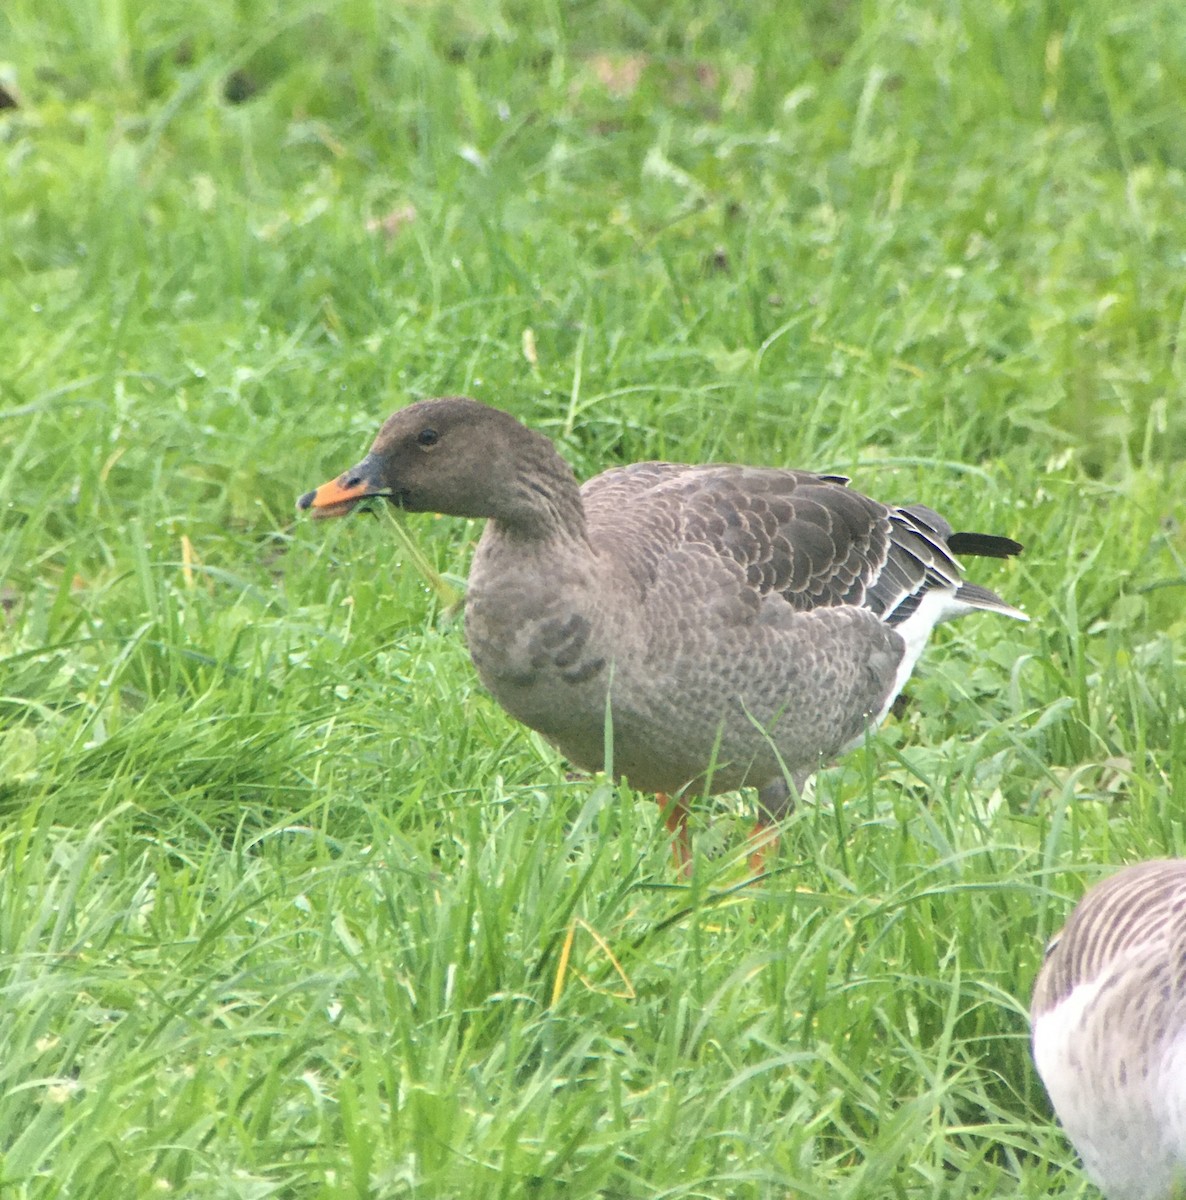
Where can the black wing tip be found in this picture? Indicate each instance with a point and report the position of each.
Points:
(983, 545)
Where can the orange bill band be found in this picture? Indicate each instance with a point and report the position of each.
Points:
(333, 500)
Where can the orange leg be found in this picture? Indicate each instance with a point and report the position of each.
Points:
(763, 841)
(675, 817)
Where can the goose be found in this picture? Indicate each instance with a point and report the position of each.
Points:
(729, 625)
(1109, 1031)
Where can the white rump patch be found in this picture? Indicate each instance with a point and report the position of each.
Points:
(936, 605)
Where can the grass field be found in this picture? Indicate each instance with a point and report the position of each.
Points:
(288, 906)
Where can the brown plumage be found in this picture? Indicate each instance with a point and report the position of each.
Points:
(746, 623)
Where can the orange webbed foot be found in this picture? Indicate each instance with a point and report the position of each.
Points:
(763, 846)
(675, 817)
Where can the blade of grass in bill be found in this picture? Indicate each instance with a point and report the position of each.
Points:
(448, 595)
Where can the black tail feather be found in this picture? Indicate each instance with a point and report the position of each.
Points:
(983, 545)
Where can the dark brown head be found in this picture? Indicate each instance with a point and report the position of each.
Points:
(453, 456)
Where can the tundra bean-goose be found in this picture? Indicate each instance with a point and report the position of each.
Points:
(1109, 1031)
(746, 624)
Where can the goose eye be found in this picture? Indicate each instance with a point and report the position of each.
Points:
(428, 437)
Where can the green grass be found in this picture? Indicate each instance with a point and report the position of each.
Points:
(288, 906)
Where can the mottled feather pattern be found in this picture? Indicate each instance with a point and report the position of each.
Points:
(1143, 905)
(1109, 1031)
(802, 535)
(763, 599)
